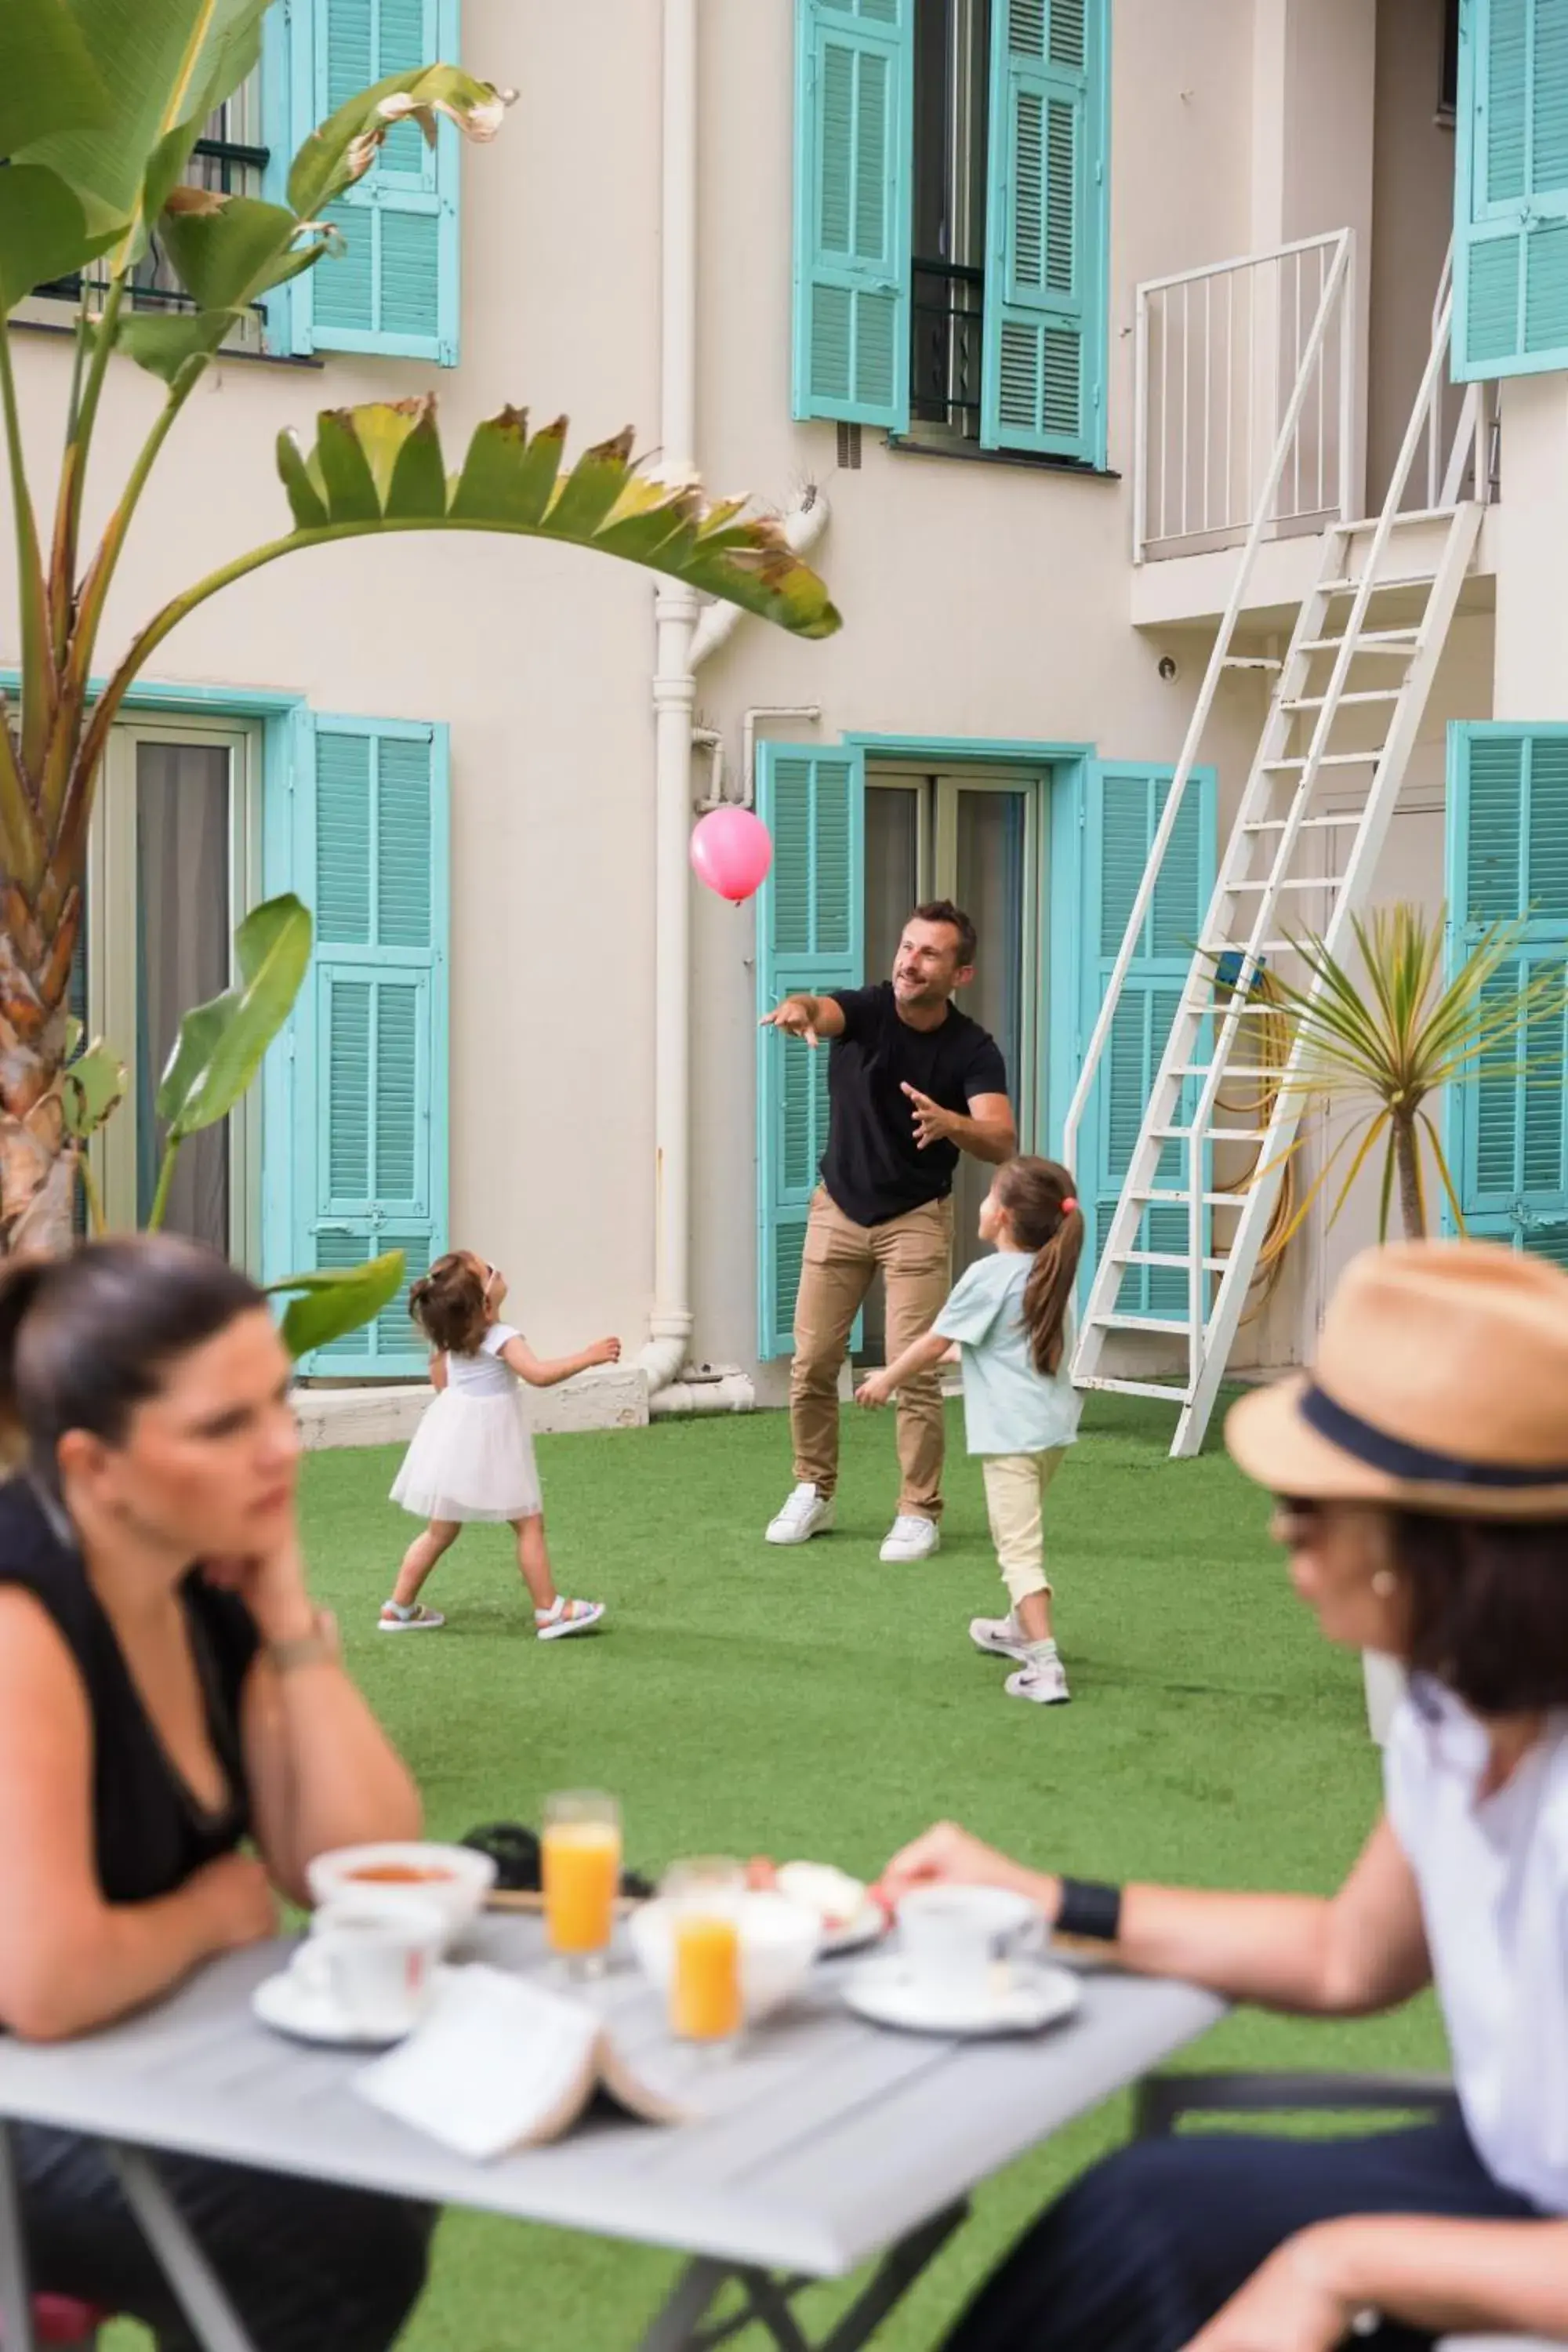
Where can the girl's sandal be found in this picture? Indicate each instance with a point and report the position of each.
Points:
(564, 1617)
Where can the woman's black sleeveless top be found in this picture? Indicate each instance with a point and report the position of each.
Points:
(149, 1832)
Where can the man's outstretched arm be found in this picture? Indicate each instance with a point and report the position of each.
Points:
(989, 1132)
(811, 1017)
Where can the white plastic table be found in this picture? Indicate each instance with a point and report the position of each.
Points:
(829, 2142)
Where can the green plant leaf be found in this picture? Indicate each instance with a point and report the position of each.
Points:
(47, 81)
(220, 1045)
(165, 344)
(168, 63)
(44, 232)
(228, 250)
(329, 1306)
(343, 148)
(379, 467)
(92, 1088)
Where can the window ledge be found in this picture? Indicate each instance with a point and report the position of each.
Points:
(971, 454)
(246, 359)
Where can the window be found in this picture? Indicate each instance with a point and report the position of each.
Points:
(1507, 820)
(174, 865)
(1511, 189)
(950, 219)
(1449, 83)
(952, 54)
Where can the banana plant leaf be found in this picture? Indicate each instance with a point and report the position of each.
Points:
(48, 81)
(219, 1048)
(380, 468)
(327, 1306)
(92, 1087)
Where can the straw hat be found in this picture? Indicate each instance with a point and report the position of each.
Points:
(1441, 1385)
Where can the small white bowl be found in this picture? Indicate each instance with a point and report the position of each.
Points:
(453, 1878)
(779, 1941)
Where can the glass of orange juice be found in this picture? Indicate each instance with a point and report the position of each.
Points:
(580, 1851)
(705, 1995)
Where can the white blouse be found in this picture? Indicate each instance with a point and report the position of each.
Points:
(1493, 1879)
(483, 1374)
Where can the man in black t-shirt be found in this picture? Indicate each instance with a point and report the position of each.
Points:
(912, 1082)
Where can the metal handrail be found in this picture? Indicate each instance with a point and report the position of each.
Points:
(1336, 286)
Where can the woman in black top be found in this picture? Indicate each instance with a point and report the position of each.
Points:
(177, 1739)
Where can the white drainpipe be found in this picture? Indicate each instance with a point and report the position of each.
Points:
(685, 633)
(674, 697)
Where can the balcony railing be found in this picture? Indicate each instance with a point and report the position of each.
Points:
(1222, 355)
(947, 312)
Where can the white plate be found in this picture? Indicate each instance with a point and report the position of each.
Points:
(867, 1927)
(291, 2007)
(1023, 1998)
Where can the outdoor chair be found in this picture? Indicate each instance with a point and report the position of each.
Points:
(1160, 2101)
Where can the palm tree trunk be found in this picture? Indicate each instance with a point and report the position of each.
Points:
(37, 1160)
(1412, 1205)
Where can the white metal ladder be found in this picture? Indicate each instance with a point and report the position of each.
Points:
(1307, 793)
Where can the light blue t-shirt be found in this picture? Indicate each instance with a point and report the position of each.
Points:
(1009, 1407)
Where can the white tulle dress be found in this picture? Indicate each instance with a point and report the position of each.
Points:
(472, 1455)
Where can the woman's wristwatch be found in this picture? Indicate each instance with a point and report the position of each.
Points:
(1087, 1908)
(319, 1647)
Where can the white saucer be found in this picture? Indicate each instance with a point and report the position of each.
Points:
(291, 2007)
(867, 1927)
(1021, 1998)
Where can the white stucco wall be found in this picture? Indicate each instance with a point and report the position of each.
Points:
(979, 600)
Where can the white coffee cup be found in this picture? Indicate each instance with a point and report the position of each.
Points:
(954, 1937)
(372, 1962)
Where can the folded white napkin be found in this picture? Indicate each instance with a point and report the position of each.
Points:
(495, 2062)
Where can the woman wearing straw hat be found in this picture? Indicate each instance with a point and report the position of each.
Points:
(1421, 1479)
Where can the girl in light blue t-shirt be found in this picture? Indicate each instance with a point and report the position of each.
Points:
(1010, 1317)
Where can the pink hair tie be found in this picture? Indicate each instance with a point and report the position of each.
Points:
(1068, 1207)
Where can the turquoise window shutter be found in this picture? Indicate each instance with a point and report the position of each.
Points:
(1042, 374)
(854, 206)
(393, 285)
(811, 934)
(1507, 859)
(1124, 804)
(1511, 189)
(370, 836)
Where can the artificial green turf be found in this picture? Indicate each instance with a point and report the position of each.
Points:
(812, 1702)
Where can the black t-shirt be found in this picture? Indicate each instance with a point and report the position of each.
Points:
(150, 1833)
(873, 1168)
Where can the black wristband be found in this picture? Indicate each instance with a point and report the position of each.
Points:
(1088, 1909)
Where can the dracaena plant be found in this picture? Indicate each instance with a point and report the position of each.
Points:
(1377, 1039)
(101, 103)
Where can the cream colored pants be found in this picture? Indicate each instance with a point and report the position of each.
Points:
(1015, 1502)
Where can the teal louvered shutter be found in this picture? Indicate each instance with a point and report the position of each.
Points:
(370, 1093)
(853, 210)
(1507, 859)
(1511, 189)
(392, 286)
(811, 934)
(1043, 377)
(1123, 808)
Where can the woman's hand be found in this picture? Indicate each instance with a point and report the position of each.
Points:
(949, 1857)
(272, 1587)
(875, 1389)
(1289, 2304)
(236, 1901)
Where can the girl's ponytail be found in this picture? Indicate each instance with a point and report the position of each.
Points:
(1041, 1203)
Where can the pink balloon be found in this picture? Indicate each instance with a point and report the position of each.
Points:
(731, 851)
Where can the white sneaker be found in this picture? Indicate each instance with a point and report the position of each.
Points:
(911, 1538)
(1002, 1636)
(565, 1617)
(419, 1619)
(1047, 1685)
(806, 1514)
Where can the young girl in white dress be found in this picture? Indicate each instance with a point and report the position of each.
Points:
(472, 1456)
